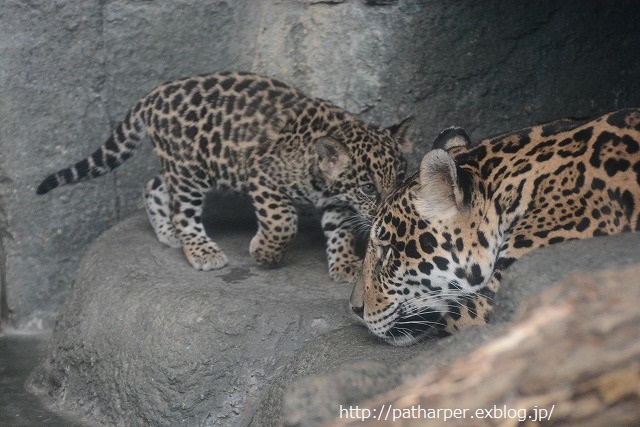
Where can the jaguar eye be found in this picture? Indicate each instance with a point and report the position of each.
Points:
(368, 189)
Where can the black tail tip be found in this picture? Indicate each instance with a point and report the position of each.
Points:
(47, 185)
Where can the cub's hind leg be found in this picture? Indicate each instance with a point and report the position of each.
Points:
(277, 224)
(156, 203)
(186, 201)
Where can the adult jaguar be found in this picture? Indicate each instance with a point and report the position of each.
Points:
(441, 241)
(256, 135)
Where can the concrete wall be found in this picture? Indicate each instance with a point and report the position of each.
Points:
(69, 70)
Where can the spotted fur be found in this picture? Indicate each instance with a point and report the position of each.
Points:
(440, 242)
(255, 135)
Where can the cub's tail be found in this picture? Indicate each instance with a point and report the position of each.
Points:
(119, 147)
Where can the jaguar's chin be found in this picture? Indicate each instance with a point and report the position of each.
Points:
(410, 329)
(403, 340)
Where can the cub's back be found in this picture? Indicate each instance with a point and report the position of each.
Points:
(222, 110)
(211, 123)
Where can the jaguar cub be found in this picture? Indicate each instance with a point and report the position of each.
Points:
(440, 242)
(256, 135)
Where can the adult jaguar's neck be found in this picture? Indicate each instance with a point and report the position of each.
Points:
(502, 182)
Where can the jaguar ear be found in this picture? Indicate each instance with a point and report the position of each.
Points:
(451, 138)
(333, 157)
(400, 133)
(439, 195)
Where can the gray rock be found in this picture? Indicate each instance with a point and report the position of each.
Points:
(343, 368)
(143, 339)
(536, 270)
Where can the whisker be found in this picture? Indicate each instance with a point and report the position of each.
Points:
(415, 306)
(360, 224)
(424, 322)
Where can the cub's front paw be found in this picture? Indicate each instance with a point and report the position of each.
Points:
(205, 256)
(263, 254)
(345, 270)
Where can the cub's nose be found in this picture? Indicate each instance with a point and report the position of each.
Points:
(359, 311)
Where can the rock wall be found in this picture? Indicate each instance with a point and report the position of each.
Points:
(69, 70)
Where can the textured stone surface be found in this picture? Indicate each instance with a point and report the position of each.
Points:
(143, 339)
(19, 353)
(536, 270)
(69, 70)
(348, 367)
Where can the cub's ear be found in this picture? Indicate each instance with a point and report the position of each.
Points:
(400, 133)
(451, 138)
(439, 195)
(333, 157)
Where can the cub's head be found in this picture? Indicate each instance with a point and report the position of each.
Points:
(361, 164)
(425, 266)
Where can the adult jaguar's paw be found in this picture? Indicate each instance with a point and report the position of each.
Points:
(205, 256)
(345, 269)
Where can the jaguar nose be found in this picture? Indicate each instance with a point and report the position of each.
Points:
(359, 311)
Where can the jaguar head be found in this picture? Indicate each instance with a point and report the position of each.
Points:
(425, 265)
(362, 164)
